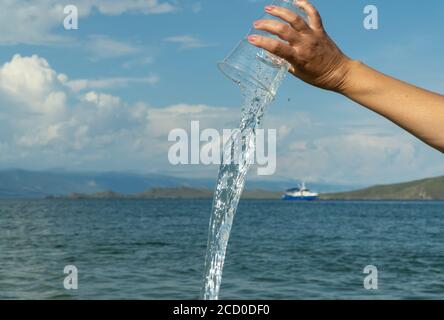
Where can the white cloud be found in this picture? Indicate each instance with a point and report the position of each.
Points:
(58, 126)
(33, 22)
(103, 101)
(23, 22)
(362, 153)
(107, 83)
(31, 82)
(41, 137)
(187, 42)
(102, 47)
(116, 7)
(162, 120)
(138, 62)
(44, 123)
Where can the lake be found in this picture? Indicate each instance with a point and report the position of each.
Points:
(155, 249)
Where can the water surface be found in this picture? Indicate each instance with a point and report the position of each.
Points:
(154, 249)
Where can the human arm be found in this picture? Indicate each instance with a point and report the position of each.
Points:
(316, 59)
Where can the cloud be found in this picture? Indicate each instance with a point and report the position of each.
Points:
(163, 120)
(26, 22)
(187, 42)
(102, 47)
(31, 82)
(47, 120)
(365, 152)
(44, 122)
(117, 7)
(102, 100)
(108, 83)
(21, 22)
(138, 62)
(50, 114)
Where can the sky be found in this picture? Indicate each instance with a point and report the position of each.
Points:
(104, 97)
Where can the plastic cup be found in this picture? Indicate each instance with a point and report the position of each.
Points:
(250, 65)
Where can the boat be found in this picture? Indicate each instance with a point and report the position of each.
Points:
(302, 193)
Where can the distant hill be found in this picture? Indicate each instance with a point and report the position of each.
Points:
(426, 189)
(18, 183)
(167, 193)
(38, 184)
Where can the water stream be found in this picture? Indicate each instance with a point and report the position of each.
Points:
(238, 156)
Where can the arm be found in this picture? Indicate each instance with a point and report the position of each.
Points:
(316, 59)
(418, 111)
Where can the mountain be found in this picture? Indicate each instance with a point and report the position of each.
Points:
(426, 189)
(168, 193)
(33, 184)
(17, 183)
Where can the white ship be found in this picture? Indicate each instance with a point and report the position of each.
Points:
(300, 194)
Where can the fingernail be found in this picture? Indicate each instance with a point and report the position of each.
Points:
(256, 24)
(252, 38)
(269, 8)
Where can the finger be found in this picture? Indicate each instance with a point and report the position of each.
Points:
(295, 20)
(282, 30)
(274, 46)
(314, 18)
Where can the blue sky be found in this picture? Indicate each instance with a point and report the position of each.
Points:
(104, 97)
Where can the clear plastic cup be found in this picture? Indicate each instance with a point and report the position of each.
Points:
(250, 65)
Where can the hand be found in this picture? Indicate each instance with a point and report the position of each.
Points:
(313, 56)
